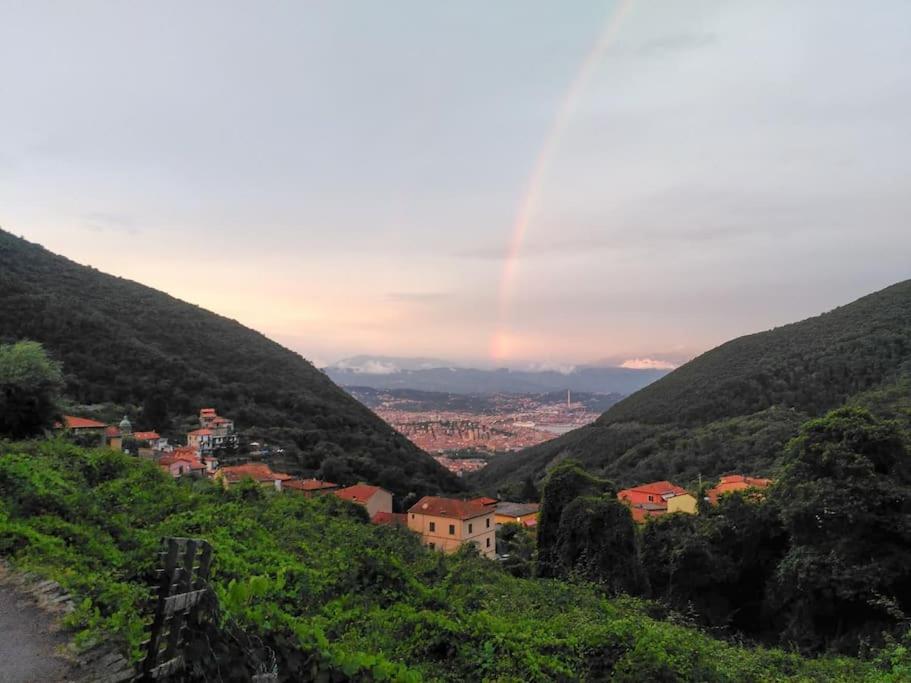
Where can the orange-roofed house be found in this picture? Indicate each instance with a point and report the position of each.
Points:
(309, 487)
(736, 482)
(214, 432)
(83, 425)
(373, 498)
(259, 472)
(182, 465)
(651, 500)
(446, 523)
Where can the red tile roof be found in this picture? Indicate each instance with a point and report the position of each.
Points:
(736, 482)
(309, 485)
(112, 431)
(449, 507)
(257, 471)
(484, 500)
(72, 422)
(207, 411)
(390, 518)
(146, 436)
(359, 493)
(194, 463)
(200, 432)
(658, 488)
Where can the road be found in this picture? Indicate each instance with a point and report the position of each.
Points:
(28, 642)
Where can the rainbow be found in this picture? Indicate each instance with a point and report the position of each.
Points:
(525, 211)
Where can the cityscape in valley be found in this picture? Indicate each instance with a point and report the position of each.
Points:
(452, 426)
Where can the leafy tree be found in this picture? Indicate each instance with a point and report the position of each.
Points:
(597, 542)
(529, 492)
(518, 543)
(845, 500)
(566, 482)
(30, 384)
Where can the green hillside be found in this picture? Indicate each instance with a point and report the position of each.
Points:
(309, 587)
(734, 407)
(123, 343)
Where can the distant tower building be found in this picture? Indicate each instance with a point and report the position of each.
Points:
(569, 400)
(125, 427)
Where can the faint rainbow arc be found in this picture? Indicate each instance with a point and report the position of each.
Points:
(528, 203)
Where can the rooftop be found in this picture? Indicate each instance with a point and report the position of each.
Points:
(449, 507)
(359, 493)
(517, 509)
(309, 485)
(73, 422)
(257, 471)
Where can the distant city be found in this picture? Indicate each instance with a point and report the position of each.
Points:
(460, 430)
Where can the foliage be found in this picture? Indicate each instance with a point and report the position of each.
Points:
(517, 544)
(29, 386)
(123, 343)
(310, 590)
(845, 499)
(565, 483)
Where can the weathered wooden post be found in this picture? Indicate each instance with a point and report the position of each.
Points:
(185, 569)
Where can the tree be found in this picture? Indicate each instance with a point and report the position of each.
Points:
(529, 492)
(566, 482)
(597, 542)
(30, 384)
(517, 544)
(845, 499)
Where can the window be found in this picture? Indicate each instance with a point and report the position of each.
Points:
(488, 541)
(651, 498)
(452, 529)
(469, 528)
(488, 522)
(433, 526)
(432, 546)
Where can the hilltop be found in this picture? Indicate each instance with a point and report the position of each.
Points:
(734, 407)
(124, 343)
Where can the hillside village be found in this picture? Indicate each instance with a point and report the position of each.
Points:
(443, 523)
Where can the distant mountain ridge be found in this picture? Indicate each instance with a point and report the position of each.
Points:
(734, 407)
(123, 342)
(391, 373)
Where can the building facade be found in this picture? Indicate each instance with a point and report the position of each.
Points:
(446, 524)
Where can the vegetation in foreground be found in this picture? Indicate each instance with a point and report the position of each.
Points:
(309, 586)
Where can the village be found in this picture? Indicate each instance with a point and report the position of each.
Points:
(443, 523)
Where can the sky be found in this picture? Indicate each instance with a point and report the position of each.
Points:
(500, 183)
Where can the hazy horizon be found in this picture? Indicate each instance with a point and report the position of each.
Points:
(494, 185)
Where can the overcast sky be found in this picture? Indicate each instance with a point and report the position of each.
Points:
(345, 176)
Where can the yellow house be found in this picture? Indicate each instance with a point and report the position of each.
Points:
(685, 502)
(446, 523)
(517, 513)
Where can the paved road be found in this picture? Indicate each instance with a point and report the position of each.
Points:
(27, 642)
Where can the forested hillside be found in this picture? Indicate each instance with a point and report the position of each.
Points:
(309, 589)
(734, 407)
(128, 344)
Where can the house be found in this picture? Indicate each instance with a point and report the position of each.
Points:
(82, 425)
(650, 500)
(154, 439)
(309, 487)
(182, 465)
(215, 432)
(113, 438)
(735, 482)
(259, 472)
(525, 514)
(447, 523)
(373, 498)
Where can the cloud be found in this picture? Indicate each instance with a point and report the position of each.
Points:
(647, 364)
